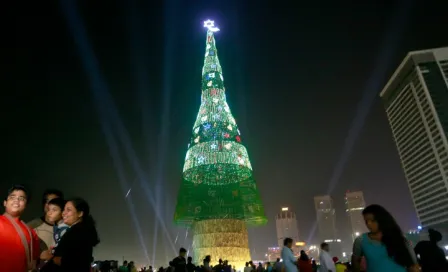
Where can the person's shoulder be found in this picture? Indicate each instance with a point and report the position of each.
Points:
(3, 223)
(359, 239)
(36, 222)
(422, 243)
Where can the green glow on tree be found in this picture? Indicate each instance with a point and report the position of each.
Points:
(217, 175)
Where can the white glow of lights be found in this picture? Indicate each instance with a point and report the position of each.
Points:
(211, 25)
(129, 191)
(284, 209)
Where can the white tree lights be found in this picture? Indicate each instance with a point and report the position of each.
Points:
(210, 25)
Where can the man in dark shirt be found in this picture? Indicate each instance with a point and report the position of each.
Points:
(431, 256)
(179, 263)
(190, 265)
(219, 267)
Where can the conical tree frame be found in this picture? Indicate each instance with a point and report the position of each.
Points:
(217, 180)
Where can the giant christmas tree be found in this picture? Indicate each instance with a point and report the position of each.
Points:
(218, 196)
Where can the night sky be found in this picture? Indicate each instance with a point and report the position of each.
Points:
(302, 82)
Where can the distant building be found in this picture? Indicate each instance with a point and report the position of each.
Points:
(354, 203)
(273, 253)
(416, 102)
(326, 217)
(286, 223)
(326, 223)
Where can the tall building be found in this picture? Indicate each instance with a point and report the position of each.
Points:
(218, 196)
(416, 102)
(354, 203)
(326, 223)
(286, 222)
(326, 217)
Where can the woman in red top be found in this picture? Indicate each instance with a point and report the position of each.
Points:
(304, 263)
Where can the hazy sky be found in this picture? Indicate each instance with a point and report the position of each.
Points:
(296, 78)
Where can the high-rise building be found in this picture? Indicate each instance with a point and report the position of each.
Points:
(286, 222)
(326, 217)
(326, 223)
(416, 102)
(354, 203)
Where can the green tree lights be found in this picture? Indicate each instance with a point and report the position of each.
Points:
(217, 175)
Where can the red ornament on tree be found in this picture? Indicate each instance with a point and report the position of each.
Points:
(238, 138)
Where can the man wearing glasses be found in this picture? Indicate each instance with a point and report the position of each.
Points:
(19, 244)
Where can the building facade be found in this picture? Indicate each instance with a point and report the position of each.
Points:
(326, 217)
(326, 224)
(286, 223)
(416, 103)
(354, 203)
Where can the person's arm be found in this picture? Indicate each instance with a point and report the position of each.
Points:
(357, 254)
(322, 262)
(415, 267)
(292, 258)
(329, 263)
(36, 248)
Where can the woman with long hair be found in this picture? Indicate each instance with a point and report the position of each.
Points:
(75, 249)
(385, 248)
(304, 262)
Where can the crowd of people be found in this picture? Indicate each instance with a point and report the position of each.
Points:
(383, 248)
(62, 240)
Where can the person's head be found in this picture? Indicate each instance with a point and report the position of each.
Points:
(220, 261)
(77, 210)
(325, 247)
(336, 260)
(49, 195)
(287, 242)
(16, 200)
(125, 263)
(247, 264)
(379, 220)
(55, 208)
(182, 252)
(303, 256)
(434, 236)
(278, 260)
(189, 259)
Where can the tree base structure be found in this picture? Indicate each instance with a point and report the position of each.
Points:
(225, 239)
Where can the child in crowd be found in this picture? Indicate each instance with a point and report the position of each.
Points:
(54, 214)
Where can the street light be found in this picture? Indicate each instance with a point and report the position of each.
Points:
(269, 256)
